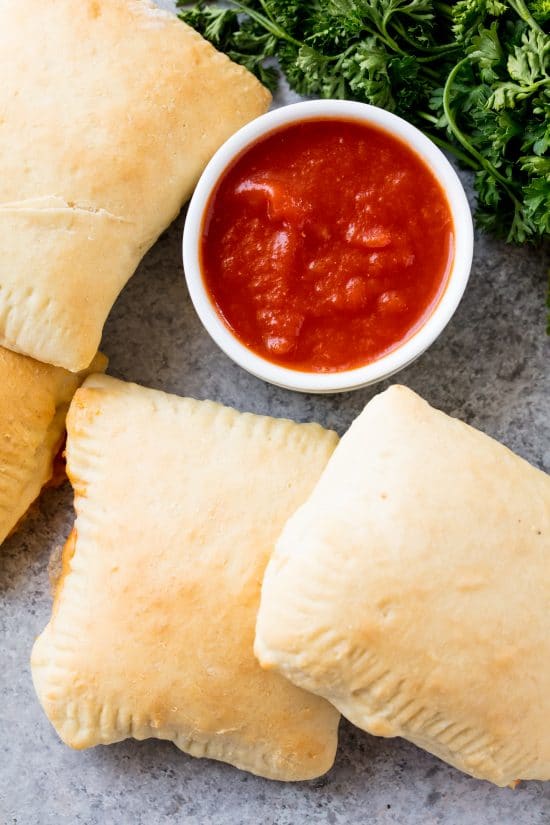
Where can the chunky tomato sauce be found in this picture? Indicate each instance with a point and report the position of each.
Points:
(326, 245)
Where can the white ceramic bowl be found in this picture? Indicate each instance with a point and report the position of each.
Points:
(408, 351)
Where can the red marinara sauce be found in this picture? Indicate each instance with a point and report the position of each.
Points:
(326, 244)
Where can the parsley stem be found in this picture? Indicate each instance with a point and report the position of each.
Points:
(445, 9)
(528, 90)
(461, 137)
(448, 147)
(410, 9)
(443, 144)
(521, 8)
(429, 117)
(434, 51)
(268, 24)
(427, 70)
(383, 29)
(267, 12)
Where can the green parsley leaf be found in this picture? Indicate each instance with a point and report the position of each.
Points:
(473, 74)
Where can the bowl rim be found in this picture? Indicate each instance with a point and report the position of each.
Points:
(421, 339)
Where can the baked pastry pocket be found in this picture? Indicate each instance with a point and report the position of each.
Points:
(34, 399)
(105, 127)
(412, 590)
(178, 505)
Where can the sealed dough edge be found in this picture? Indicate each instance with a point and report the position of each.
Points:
(88, 699)
(33, 407)
(119, 130)
(418, 610)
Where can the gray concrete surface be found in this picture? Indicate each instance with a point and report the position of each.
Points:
(490, 367)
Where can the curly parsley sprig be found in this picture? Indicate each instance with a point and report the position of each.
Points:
(473, 74)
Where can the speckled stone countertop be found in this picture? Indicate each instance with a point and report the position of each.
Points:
(490, 367)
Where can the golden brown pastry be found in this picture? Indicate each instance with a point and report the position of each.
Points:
(109, 111)
(412, 590)
(34, 399)
(178, 504)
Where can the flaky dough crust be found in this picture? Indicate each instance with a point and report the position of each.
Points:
(412, 590)
(109, 111)
(34, 399)
(178, 504)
